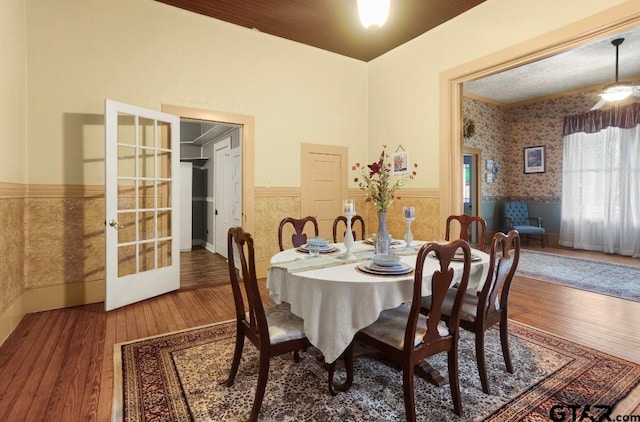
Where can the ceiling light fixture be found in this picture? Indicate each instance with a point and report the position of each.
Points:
(373, 12)
(619, 90)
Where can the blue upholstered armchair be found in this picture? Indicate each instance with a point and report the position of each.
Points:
(516, 216)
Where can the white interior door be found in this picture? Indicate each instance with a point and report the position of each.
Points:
(236, 158)
(223, 193)
(142, 188)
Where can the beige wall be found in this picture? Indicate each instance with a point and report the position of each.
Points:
(12, 171)
(12, 91)
(147, 53)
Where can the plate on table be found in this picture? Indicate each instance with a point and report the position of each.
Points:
(394, 242)
(371, 268)
(323, 249)
(459, 257)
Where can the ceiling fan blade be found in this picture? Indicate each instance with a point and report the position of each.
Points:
(599, 104)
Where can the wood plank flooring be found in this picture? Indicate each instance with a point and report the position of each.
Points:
(199, 266)
(58, 365)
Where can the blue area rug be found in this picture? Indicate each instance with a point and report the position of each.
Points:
(595, 276)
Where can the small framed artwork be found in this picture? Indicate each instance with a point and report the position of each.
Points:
(401, 162)
(489, 164)
(534, 160)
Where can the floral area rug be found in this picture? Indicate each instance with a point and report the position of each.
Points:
(175, 377)
(595, 276)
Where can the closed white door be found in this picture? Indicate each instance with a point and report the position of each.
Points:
(142, 191)
(186, 204)
(236, 157)
(223, 194)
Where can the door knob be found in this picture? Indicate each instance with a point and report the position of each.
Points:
(115, 224)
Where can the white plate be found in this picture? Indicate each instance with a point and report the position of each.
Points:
(371, 268)
(459, 257)
(394, 242)
(326, 249)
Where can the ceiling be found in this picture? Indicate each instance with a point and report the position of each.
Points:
(334, 25)
(584, 66)
(200, 132)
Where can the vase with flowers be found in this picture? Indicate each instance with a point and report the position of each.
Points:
(381, 186)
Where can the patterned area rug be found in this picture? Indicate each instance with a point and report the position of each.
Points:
(595, 276)
(175, 377)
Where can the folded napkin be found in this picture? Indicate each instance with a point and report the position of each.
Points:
(317, 241)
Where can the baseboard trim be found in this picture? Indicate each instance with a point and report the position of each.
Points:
(63, 296)
(11, 317)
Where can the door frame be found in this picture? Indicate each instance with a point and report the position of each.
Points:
(476, 202)
(247, 145)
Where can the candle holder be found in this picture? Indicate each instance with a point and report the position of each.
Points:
(409, 216)
(348, 238)
(349, 209)
(408, 236)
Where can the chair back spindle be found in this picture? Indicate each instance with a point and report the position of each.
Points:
(467, 223)
(299, 236)
(440, 284)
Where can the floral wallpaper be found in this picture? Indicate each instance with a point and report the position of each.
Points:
(490, 138)
(502, 133)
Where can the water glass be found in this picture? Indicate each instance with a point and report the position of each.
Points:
(314, 246)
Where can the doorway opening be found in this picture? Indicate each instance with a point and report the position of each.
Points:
(200, 132)
(471, 187)
(212, 151)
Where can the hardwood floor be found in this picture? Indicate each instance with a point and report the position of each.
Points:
(200, 267)
(58, 365)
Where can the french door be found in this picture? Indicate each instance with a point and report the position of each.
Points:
(142, 188)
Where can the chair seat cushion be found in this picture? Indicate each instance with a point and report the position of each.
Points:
(469, 305)
(529, 229)
(391, 324)
(283, 325)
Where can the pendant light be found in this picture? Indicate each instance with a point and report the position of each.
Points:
(373, 12)
(619, 90)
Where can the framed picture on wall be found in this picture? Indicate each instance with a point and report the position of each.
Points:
(534, 160)
(400, 162)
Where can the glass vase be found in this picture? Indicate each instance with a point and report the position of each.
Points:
(383, 238)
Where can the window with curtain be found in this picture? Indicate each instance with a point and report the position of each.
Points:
(601, 181)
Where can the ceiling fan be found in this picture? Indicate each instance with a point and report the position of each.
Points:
(616, 91)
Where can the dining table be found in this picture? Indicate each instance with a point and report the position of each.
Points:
(337, 297)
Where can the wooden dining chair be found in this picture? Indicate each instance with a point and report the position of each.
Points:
(299, 237)
(273, 331)
(490, 307)
(342, 220)
(466, 222)
(406, 337)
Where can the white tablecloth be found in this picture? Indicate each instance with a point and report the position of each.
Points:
(337, 300)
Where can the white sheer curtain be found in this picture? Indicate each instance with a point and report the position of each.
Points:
(601, 191)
